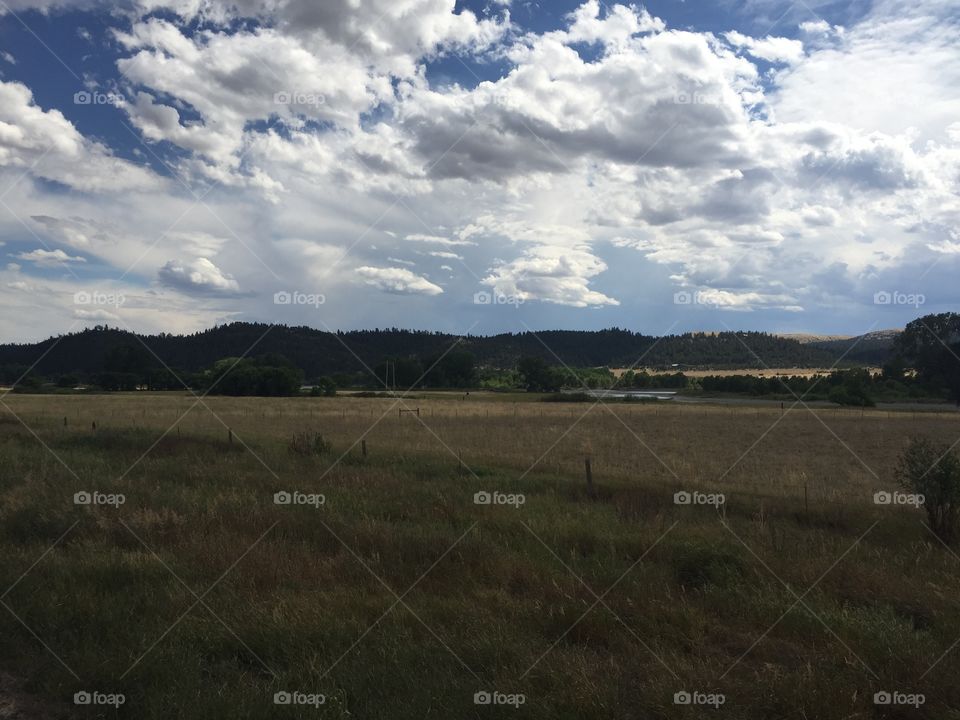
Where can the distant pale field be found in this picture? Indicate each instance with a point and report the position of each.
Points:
(760, 372)
(402, 597)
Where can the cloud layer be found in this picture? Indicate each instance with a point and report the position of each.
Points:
(601, 167)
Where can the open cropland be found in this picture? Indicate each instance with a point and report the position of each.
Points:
(400, 597)
(756, 372)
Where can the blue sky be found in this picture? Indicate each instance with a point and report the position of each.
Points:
(478, 166)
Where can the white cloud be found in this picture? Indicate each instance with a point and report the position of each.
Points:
(49, 258)
(398, 280)
(553, 275)
(620, 24)
(47, 145)
(771, 49)
(895, 58)
(658, 159)
(437, 240)
(97, 315)
(199, 276)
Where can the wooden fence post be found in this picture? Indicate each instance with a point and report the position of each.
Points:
(589, 471)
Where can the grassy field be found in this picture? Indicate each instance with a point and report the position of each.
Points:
(386, 591)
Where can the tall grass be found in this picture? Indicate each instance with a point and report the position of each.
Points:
(400, 597)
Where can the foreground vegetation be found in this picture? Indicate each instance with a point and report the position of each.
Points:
(396, 595)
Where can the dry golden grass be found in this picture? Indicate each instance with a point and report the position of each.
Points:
(836, 452)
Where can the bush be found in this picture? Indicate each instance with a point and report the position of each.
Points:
(850, 395)
(933, 470)
(324, 387)
(305, 443)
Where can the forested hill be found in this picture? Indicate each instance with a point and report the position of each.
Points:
(320, 353)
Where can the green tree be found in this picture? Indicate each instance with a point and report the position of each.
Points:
(931, 345)
(933, 470)
(537, 376)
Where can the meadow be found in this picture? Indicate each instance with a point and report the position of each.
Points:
(370, 563)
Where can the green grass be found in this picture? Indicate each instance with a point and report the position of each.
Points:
(492, 597)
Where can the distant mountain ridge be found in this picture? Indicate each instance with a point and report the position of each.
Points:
(872, 348)
(321, 353)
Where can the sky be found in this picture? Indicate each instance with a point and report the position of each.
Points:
(478, 167)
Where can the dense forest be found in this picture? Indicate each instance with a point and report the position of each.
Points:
(874, 348)
(319, 353)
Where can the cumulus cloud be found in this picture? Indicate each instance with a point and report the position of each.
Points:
(771, 49)
(620, 24)
(556, 110)
(553, 275)
(398, 280)
(612, 159)
(47, 145)
(199, 276)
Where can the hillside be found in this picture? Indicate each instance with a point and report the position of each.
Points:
(319, 353)
(873, 348)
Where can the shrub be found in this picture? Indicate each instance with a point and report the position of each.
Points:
(855, 395)
(305, 443)
(933, 470)
(324, 387)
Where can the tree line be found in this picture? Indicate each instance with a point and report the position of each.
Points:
(323, 353)
(924, 361)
